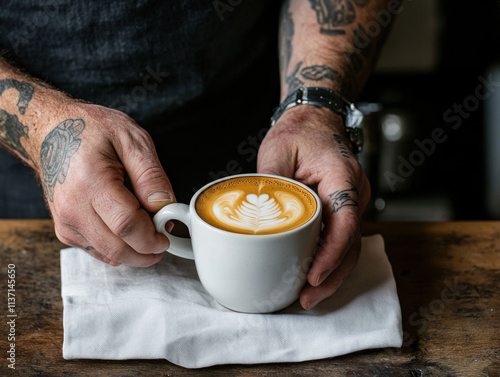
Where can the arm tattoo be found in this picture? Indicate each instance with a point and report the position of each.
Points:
(362, 49)
(293, 81)
(344, 198)
(57, 149)
(344, 151)
(319, 72)
(286, 36)
(11, 129)
(11, 132)
(312, 73)
(25, 92)
(332, 15)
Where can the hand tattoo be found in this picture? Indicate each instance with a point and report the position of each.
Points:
(25, 92)
(57, 149)
(344, 151)
(344, 198)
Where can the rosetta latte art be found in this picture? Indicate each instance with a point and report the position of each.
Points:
(258, 213)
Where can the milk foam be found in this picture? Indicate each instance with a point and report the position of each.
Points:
(256, 205)
(257, 213)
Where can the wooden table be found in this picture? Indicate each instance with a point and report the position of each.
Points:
(448, 277)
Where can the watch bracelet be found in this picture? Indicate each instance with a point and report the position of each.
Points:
(325, 97)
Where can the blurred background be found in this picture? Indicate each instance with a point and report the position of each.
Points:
(432, 152)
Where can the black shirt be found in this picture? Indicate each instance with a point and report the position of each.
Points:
(103, 51)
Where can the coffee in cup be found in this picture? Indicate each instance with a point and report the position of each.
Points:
(256, 205)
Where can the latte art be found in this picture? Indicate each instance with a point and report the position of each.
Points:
(257, 213)
(256, 205)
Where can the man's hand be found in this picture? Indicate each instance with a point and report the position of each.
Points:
(308, 144)
(84, 156)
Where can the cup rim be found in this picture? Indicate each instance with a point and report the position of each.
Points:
(317, 213)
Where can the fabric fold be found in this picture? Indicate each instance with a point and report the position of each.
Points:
(163, 312)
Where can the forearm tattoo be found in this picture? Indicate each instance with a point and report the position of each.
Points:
(333, 15)
(344, 198)
(56, 152)
(293, 80)
(318, 72)
(25, 92)
(11, 128)
(286, 36)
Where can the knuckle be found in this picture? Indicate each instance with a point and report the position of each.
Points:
(151, 173)
(352, 226)
(66, 235)
(113, 255)
(122, 224)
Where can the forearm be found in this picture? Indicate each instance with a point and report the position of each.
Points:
(27, 108)
(332, 43)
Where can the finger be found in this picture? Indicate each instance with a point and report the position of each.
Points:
(122, 214)
(103, 251)
(92, 251)
(149, 181)
(342, 227)
(111, 249)
(312, 296)
(72, 237)
(115, 252)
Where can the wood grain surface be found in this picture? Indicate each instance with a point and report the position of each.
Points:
(448, 277)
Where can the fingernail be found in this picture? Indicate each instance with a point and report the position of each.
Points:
(163, 249)
(160, 197)
(323, 277)
(311, 304)
(169, 226)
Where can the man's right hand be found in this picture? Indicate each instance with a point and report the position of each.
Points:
(84, 155)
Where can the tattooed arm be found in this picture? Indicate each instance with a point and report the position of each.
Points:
(81, 153)
(332, 44)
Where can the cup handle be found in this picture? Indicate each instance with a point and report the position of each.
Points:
(181, 247)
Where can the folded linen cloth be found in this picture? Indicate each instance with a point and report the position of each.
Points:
(163, 312)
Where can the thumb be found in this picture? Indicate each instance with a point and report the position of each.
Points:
(150, 183)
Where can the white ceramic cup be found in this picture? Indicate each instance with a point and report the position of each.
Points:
(245, 272)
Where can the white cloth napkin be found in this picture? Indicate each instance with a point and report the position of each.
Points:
(163, 312)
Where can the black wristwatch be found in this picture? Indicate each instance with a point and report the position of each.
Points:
(324, 97)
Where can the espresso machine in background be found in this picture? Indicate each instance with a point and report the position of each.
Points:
(431, 150)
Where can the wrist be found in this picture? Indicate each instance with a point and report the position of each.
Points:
(312, 118)
(327, 99)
